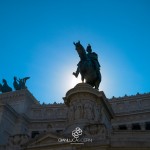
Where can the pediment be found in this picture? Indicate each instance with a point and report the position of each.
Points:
(43, 140)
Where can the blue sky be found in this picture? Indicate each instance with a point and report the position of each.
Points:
(36, 40)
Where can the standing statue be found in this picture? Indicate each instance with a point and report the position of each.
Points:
(88, 66)
(20, 84)
(5, 88)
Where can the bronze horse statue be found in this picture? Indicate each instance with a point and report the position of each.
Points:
(86, 67)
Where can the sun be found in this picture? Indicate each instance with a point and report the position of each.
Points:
(75, 81)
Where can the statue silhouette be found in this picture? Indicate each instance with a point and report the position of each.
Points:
(20, 84)
(88, 66)
(5, 88)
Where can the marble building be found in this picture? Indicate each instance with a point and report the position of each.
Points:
(86, 120)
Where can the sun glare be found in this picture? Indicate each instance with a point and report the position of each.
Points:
(67, 80)
(75, 81)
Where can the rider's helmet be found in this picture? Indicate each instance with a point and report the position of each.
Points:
(89, 49)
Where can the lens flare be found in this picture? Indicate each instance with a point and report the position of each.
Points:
(75, 81)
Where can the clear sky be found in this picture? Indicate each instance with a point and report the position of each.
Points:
(36, 40)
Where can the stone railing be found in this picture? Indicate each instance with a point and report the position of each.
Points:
(128, 104)
(48, 112)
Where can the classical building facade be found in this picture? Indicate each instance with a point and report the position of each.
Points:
(87, 120)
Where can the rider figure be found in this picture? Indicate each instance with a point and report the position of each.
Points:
(91, 56)
(94, 58)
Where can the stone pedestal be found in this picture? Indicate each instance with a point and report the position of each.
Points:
(88, 109)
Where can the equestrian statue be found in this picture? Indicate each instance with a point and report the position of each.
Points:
(88, 66)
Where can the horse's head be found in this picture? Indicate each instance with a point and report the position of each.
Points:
(80, 49)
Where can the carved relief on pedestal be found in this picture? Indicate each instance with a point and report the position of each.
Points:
(97, 113)
(97, 131)
(84, 109)
(78, 111)
(88, 111)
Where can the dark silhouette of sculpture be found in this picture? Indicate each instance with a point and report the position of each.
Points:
(94, 58)
(88, 66)
(20, 84)
(5, 88)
